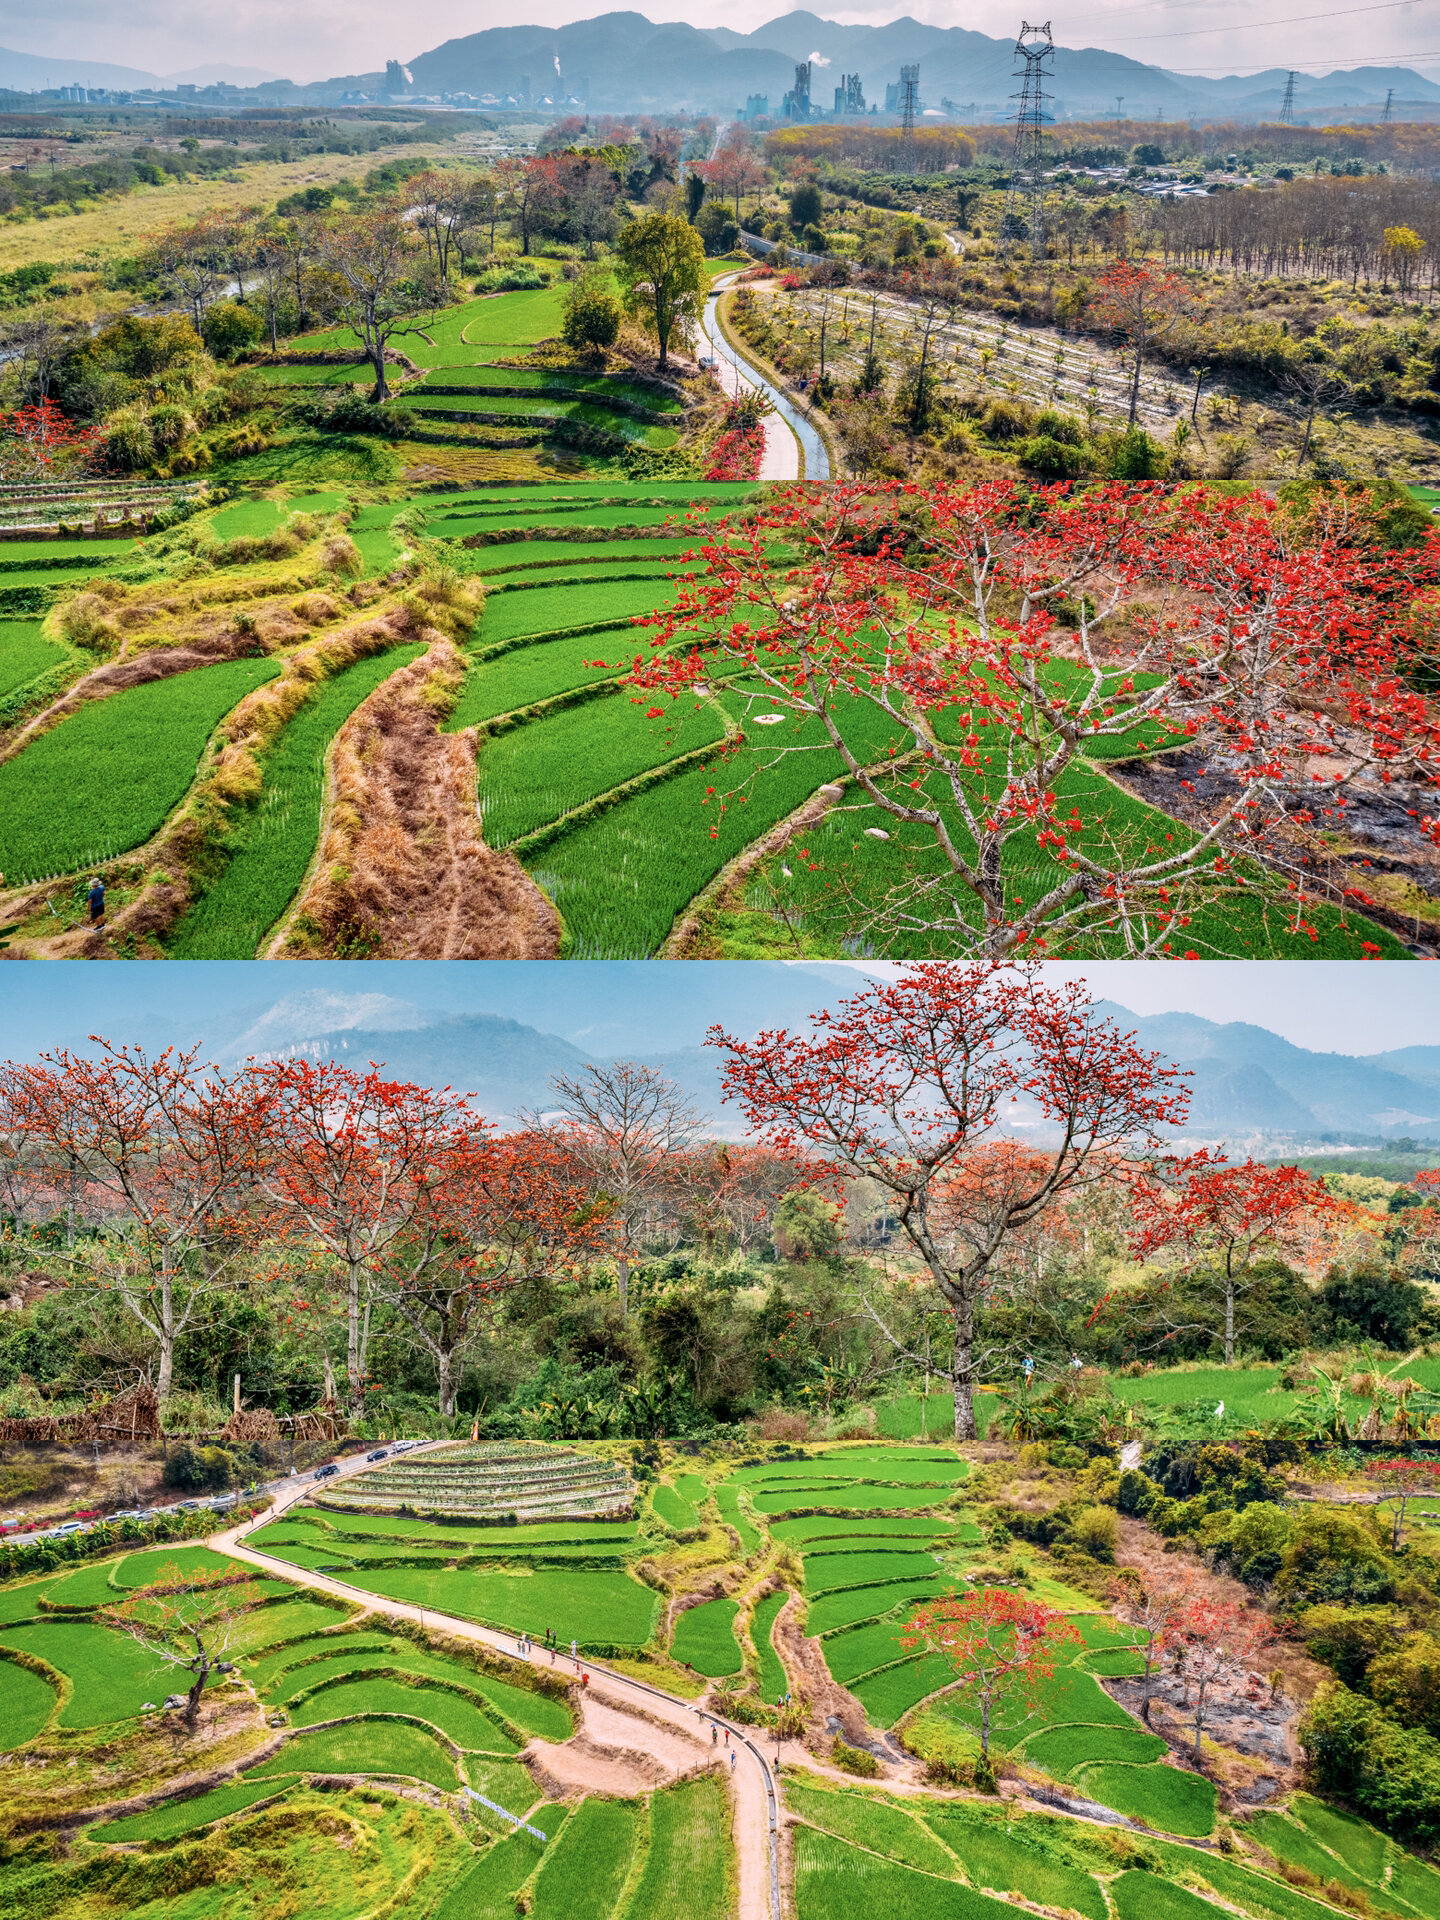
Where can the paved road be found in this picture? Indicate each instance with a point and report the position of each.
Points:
(787, 430)
(752, 1782)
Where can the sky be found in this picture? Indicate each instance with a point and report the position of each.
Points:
(1327, 1006)
(323, 38)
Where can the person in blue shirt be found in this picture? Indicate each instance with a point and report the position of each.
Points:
(97, 901)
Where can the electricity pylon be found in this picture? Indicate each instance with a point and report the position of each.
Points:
(1034, 48)
(1287, 105)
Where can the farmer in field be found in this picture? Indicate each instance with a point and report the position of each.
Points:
(97, 901)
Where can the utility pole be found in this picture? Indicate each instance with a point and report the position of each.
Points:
(1034, 48)
(1385, 117)
(1287, 105)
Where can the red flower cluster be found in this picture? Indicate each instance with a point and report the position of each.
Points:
(736, 454)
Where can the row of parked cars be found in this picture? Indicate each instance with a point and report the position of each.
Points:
(217, 1503)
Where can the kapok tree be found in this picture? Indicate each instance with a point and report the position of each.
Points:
(1220, 1220)
(351, 1163)
(496, 1212)
(1152, 1609)
(164, 1152)
(187, 1620)
(961, 650)
(628, 1127)
(999, 1645)
(1220, 1642)
(382, 284)
(910, 1085)
(39, 443)
(1141, 304)
(1402, 1481)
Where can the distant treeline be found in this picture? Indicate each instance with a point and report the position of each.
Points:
(846, 143)
(1405, 145)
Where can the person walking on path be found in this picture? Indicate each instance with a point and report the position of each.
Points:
(732, 1760)
(714, 1733)
(97, 901)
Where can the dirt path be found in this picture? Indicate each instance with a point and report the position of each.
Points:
(403, 872)
(629, 1731)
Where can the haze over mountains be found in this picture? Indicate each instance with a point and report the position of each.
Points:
(625, 63)
(502, 1032)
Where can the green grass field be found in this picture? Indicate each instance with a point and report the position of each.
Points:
(727, 1499)
(889, 1695)
(25, 653)
(596, 1606)
(583, 1871)
(852, 1606)
(551, 609)
(104, 779)
(837, 1881)
(705, 1639)
(27, 1701)
(993, 1855)
(833, 1572)
(873, 1822)
(188, 1816)
(688, 1872)
(1163, 1797)
(271, 844)
(535, 773)
(533, 1712)
(487, 1890)
(111, 1675)
(455, 1715)
(365, 1746)
(773, 1685)
(1061, 1750)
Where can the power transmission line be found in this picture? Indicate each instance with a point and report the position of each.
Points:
(1287, 105)
(1033, 49)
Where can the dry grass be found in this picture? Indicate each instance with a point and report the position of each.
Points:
(121, 226)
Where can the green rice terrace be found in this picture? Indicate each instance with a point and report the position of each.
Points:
(397, 1678)
(198, 679)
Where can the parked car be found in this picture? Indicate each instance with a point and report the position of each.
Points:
(380, 1453)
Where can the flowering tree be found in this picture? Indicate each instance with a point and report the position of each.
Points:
(38, 443)
(493, 1213)
(998, 1644)
(1401, 1482)
(1217, 1642)
(733, 169)
(1152, 1610)
(166, 1153)
(357, 1165)
(1220, 1219)
(909, 1085)
(624, 1125)
(188, 1621)
(1142, 304)
(962, 650)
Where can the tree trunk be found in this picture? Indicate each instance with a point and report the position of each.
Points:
(1135, 377)
(192, 1700)
(377, 362)
(963, 1373)
(354, 1356)
(167, 1336)
(443, 1361)
(1229, 1321)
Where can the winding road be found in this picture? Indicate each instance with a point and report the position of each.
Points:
(789, 436)
(752, 1782)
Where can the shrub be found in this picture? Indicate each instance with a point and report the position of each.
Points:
(716, 226)
(806, 206)
(1138, 457)
(193, 1468)
(231, 329)
(128, 443)
(1095, 1531)
(1052, 459)
(592, 318)
(854, 1759)
(1391, 1773)
(1008, 419)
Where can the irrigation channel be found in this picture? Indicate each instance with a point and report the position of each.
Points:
(757, 1806)
(743, 372)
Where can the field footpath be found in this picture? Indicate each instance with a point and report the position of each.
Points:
(752, 1784)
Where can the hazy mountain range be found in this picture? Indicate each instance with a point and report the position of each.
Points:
(625, 63)
(502, 1032)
